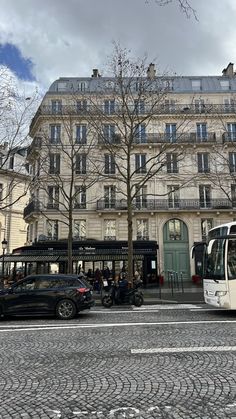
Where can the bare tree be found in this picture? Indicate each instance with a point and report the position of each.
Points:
(60, 163)
(184, 5)
(133, 101)
(16, 110)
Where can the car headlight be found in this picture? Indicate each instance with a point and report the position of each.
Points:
(221, 293)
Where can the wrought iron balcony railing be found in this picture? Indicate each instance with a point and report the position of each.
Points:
(33, 206)
(159, 109)
(229, 137)
(191, 137)
(166, 205)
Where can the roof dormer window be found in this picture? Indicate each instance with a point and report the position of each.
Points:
(224, 84)
(196, 85)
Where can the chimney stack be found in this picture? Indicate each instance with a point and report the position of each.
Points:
(151, 72)
(229, 70)
(95, 73)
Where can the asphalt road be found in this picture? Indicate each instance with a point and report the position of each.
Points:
(172, 361)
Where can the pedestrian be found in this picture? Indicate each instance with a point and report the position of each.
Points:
(90, 277)
(97, 280)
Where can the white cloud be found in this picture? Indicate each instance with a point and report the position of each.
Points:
(70, 38)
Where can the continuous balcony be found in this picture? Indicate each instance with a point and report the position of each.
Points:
(159, 109)
(166, 205)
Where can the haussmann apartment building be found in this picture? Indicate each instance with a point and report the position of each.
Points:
(179, 133)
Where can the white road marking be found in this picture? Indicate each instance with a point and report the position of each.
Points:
(108, 325)
(105, 310)
(167, 307)
(184, 349)
(208, 309)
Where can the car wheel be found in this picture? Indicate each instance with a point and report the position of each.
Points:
(65, 310)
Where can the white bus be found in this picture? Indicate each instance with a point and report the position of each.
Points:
(219, 282)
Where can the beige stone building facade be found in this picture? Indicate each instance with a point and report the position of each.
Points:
(190, 134)
(14, 196)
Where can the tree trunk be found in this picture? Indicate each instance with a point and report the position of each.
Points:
(130, 235)
(70, 243)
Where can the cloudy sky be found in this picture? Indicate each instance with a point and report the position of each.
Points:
(41, 41)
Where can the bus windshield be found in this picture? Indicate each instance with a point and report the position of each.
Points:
(215, 259)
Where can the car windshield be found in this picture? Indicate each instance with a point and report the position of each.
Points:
(215, 259)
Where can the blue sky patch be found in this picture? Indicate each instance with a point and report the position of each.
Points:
(11, 57)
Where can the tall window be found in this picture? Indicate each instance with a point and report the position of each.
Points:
(140, 163)
(80, 229)
(1, 192)
(174, 230)
(80, 165)
(110, 168)
(109, 229)
(170, 133)
(199, 105)
(81, 134)
(81, 105)
(232, 162)
(141, 197)
(140, 134)
(56, 106)
(54, 163)
(173, 196)
(203, 162)
(55, 134)
(231, 131)
(233, 194)
(205, 196)
(52, 229)
(229, 105)
(109, 133)
(202, 132)
(109, 107)
(206, 225)
(53, 197)
(109, 196)
(172, 163)
(80, 197)
(11, 163)
(169, 105)
(142, 229)
(139, 106)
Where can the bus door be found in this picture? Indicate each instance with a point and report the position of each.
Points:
(231, 270)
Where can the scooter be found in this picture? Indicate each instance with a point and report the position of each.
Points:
(114, 295)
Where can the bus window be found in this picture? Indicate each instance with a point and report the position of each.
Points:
(231, 262)
(215, 259)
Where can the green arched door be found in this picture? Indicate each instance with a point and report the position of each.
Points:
(176, 248)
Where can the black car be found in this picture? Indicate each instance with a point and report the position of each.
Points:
(60, 295)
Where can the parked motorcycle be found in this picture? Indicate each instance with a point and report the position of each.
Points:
(115, 295)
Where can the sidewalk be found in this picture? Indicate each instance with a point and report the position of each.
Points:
(190, 295)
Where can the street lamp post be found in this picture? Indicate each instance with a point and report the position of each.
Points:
(4, 246)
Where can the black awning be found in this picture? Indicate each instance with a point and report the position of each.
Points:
(30, 258)
(64, 258)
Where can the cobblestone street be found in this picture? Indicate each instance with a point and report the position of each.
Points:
(154, 362)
